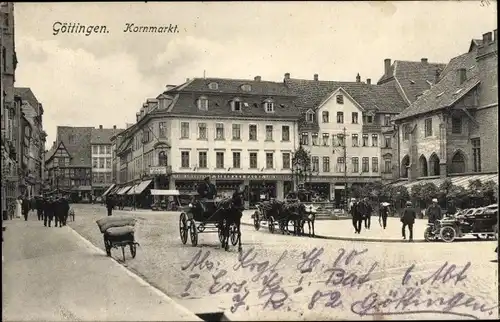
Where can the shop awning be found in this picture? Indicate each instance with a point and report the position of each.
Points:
(131, 191)
(161, 192)
(123, 190)
(109, 189)
(139, 188)
(114, 190)
(462, 181)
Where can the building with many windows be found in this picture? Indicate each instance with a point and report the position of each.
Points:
(452, 129)
(338, 115)
(68, 162)
(102, 167)
(239, 131)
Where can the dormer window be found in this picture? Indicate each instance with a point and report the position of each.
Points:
(213, 86)
(246, 88)
(269, 106)
(236, 105)
(310, 116)
(203, 104)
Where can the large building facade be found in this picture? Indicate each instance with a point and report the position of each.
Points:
(341, 126)
(238, 131)
(452, 129)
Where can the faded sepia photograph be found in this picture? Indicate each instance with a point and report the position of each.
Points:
(249, 161)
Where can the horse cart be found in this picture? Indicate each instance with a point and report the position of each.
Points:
(169, 200)
(481, 225)
(195, 219)
(118, 232)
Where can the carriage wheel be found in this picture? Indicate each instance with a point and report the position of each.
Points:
(220, 232)
(183, 228)
(234, 235)
(193, 231)
(107, 246)
(256, 220)
(133, 250)
(448, 234)
(270, 224)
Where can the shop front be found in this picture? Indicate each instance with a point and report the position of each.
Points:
(321, 188)
(226, 187)
(81, 194)
(141, 194)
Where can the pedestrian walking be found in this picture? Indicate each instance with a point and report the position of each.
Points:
(357, 216)
(110, 204)
(48, 211)
(64, 211)
(26, 207)
(383, 214)
(408, 219)
(39, 207)
(366, 212)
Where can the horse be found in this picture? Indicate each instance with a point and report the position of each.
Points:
(231, 212)
(308, 218)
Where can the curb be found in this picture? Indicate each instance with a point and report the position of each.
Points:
(373, 240)
(142, 281)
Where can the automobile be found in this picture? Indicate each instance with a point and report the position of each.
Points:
(482, 224)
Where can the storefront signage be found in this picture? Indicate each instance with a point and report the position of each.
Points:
(158, 170)
(236, 177)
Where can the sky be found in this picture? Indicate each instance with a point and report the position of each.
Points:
(103, 79)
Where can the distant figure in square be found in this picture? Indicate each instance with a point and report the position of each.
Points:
(408, 219)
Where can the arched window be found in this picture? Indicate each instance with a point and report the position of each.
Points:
(434, 165)
(404, 166)
(162, 158)
(422, 165)
(458, 162)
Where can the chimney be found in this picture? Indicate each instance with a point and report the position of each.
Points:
(100, 127)
(257, 78)
(316, 77)
(114, 127)
(387, 66)
(487, 38)
(461, 75)
(287, 75)
(436, 78)
(187, 80)
(368, 81)
(169, 87)
(53, 143)
(495, 35)
(358, 78)
(137, 116)
(424, 60)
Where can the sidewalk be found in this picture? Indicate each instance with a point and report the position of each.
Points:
(52, 274)
(344, 230)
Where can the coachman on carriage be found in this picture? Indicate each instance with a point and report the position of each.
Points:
(206, 215)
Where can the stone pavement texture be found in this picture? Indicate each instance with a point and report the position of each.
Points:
(218, 283)
(52, 274)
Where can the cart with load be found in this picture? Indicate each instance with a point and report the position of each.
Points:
(118, 231)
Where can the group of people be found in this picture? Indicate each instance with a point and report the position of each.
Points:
(361, 211)
(47, 209)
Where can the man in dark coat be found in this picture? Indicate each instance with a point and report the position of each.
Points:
(26, 207)
(39, 207)
(48, 211)
(110, 204)
(408, 219)
(58, 212)
(357, 216)
(63, 211)
(367, 213)
(207, 192)
(383, 214)
(434, 212)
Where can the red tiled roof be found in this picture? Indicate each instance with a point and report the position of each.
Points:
(447, 91)
(77, 142)
(414, 77)
(103, 136)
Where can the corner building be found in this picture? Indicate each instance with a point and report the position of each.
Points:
(238, 131)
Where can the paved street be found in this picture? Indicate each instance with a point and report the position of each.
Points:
(161, 257)
(52, 274)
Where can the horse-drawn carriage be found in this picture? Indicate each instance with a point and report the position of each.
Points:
(481, 224)
(222, 217)
(118, 231)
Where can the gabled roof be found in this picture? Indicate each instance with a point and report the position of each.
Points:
(312, 93)
(50, 154)
(344, 92)
(475, 43)
(411, 78)
(185, 98)
(77, 143)
(103, 136)
(447, 91)
(26, 94)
